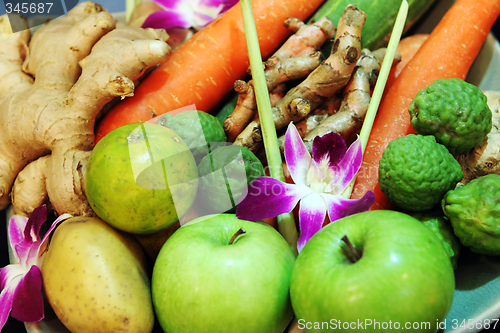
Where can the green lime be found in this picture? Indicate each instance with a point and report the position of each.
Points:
(141, 178)
(474, 212)
(415, 172)
(438, 223)
(454, 111)
(225, 175)
(198, 129)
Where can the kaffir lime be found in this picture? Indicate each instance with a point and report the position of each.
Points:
(415, 172)
(438, 223)
(198, 129)
(474, 212)
(454, 111)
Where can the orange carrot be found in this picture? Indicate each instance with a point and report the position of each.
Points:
(448, 52)
(203, 69)
(407, 48)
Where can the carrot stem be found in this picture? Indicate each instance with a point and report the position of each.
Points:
(397, 32)
(286, 222)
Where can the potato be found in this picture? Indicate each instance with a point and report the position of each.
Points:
(95, 278)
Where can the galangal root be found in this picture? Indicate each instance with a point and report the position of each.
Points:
(330, 77)
(51, 89)
(356, 99)
(295, 59)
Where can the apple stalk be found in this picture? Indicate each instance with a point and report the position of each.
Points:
(350, 250)
(240, 231)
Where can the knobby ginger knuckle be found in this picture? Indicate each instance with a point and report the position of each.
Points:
(51, 89)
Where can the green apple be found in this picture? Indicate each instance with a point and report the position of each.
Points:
(206, 280)
(390, 273)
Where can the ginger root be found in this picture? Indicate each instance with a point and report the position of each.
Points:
(51, 90)
(484, 159)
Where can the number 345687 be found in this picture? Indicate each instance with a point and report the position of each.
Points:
(26, 7)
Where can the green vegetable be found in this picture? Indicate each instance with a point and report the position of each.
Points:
(380, 17)
(415, 172)
(438, 223)
(474, 213)
(199, 130)
(227, 108)
(454, 111)
(225, 174)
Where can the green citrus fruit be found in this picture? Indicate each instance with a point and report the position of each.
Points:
(454, 111)
(474, 212)
(141, 178)
(415, 172)
(437, 222)
(225, 174)
(198, 129)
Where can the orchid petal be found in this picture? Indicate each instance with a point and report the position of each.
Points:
(37, 218)
(226, 4)
(43, 245)
(26, 250)
(27, 305)
(339, 207)
(17, 224)
(6, 300)
(169, 4)
(9, 273)
(298, 159)
(312, 215)
(314, 173)
(223, 4)
(186, 13)
(332, 144)
(345, 170)
(167, 20)
(268, 197)
(32, 255)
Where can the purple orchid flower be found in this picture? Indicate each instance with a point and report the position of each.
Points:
(21, 283)
(319, 183)
(186, 13)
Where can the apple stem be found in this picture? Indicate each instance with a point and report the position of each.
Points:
(240, 231)
(351, 252)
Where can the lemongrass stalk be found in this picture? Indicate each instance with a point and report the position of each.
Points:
(286, 222)
(396, 34)
(129, 8)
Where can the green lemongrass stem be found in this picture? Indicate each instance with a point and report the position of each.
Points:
(396, 34)
(286, 222)
(129, 8)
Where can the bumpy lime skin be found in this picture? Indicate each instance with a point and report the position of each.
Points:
(474, 212)
(454, 111)
(221, 191)
(198, 129)
(415, 172)
(438, 223)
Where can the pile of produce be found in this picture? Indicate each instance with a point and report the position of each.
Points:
(264, 166)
